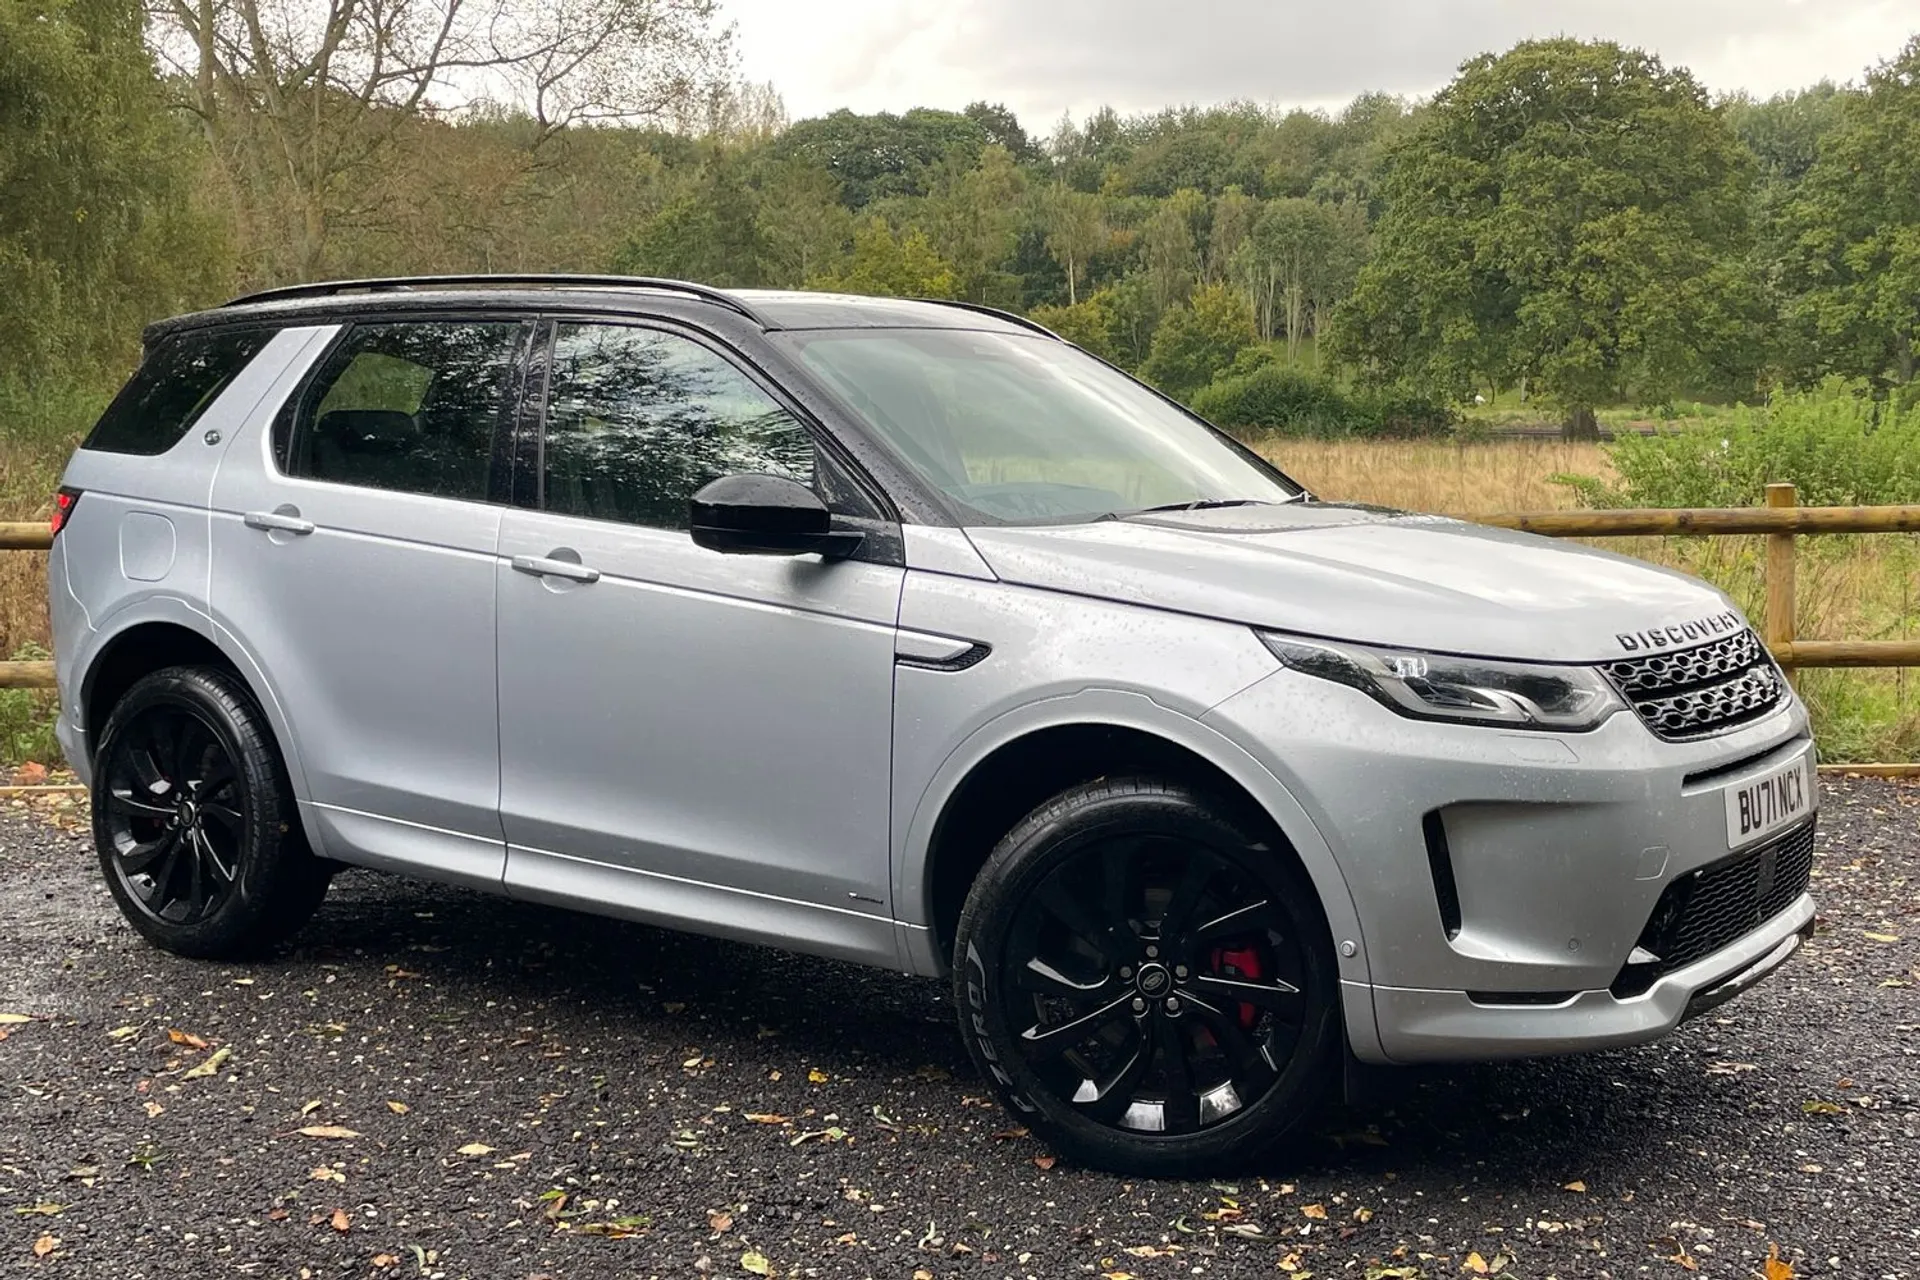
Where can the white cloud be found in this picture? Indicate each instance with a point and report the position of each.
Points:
(1043, 57)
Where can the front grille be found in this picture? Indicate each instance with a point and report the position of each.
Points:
(1720, 904)
(1698, 692)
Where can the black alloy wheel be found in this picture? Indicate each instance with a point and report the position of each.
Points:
(1154, 985)
(195, 822)
(173, 814)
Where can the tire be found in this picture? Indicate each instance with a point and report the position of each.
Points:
(195, 823)
(1183, 1016)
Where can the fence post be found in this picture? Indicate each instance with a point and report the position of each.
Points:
(1780, 585)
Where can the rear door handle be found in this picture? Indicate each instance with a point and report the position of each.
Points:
(277, 522)
(542, 567)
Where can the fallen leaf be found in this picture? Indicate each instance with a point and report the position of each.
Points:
(43, 1210)
(340, 1221)
(1477, 1265)
(385, 1260)
(1575, 1185)
(215, 1060)
(1870, 935)
(154, 1109)
(45, 1245)
(756, 1262)
(186, 1038)
(475, 1149)
(398, 1108)
(14, 1019)
(321, 1173)
(1818, 1108)
(766, 1117)
(1044, 1162)
(1777, 1268)
(123, 1033)
(310, 1107)
(328, 1131)
(816, 1075)
(1393, 1273)
(1005, 1134)
(720, 1222)
(1156, 1251)
(1318, 1212)
(1363, 1215)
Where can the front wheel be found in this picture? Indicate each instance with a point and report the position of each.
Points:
(195, 823)
(1148, 985)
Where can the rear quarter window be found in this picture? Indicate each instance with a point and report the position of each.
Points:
(179, 377)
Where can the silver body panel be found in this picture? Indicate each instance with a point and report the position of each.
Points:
(763, 748)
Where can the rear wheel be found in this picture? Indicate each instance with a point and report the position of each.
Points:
(1148, 984)
(194, 821)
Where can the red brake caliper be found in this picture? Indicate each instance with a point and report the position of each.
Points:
(1243, 962)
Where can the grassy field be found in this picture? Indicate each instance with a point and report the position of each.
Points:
(1849, 588)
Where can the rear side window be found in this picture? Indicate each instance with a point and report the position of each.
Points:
(181, 375)
(411, 406)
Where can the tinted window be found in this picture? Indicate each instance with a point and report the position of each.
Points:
(408, 406)
(181, 375)
(638, 420)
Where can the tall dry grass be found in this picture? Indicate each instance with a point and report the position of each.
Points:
(1423, 475)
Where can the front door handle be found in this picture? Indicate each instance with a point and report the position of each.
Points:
(543, 567)
(285, 520)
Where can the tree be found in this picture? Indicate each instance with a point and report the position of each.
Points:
(1299, 261)
(802, 223)
(1197, 341)
(1854, 273)
(881, 155)
(1002, 129)
(303, 103)
(972, 215)
(891, 264)
(102, 227)
(1569, 212)
(1075, 232)
(1171, 244)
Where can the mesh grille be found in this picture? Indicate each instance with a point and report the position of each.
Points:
(1720, 904)
(1698, 692)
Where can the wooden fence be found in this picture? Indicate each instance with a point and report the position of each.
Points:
(1781, 520)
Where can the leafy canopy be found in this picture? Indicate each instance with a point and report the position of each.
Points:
(1569, 212)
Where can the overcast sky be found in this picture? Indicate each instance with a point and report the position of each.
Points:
(1043, 57)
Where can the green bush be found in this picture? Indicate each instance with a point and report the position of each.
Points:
(1837, 444)
(1274, 399)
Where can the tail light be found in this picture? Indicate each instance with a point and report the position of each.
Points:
(63, 504)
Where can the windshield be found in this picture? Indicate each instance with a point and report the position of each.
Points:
(1019, 428)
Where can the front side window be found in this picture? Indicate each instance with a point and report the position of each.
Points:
(413, 406)
(1018, 428)
(638, 420)
(181, 375)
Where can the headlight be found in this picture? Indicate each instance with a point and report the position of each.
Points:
(1428, 686)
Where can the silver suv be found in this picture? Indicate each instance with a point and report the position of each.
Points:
(906, 633)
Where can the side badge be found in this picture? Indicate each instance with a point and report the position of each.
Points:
(212, 436)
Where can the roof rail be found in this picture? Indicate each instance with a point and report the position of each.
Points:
(996, 312)
(330, 288)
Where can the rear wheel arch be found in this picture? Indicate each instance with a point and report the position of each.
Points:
(1018, 775)
(152, 645)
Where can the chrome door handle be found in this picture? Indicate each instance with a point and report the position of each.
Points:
(277, 522)
(542, 567)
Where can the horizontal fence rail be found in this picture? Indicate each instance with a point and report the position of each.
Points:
(1781, 520)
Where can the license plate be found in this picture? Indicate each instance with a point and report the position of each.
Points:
(1769, 802)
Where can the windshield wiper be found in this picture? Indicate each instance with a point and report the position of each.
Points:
(1199, 504)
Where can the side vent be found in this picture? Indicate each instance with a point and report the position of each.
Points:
(1440, 862)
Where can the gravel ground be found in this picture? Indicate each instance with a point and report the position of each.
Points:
(434, 1083)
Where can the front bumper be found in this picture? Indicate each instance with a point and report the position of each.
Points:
(1557, 849)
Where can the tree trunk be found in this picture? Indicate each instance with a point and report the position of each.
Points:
(1581, 424)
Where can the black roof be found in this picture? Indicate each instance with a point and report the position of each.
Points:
(766, 309)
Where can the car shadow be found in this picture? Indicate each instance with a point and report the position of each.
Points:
(1501, 1125)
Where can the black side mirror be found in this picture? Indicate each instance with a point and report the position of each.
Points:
(762, 515)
